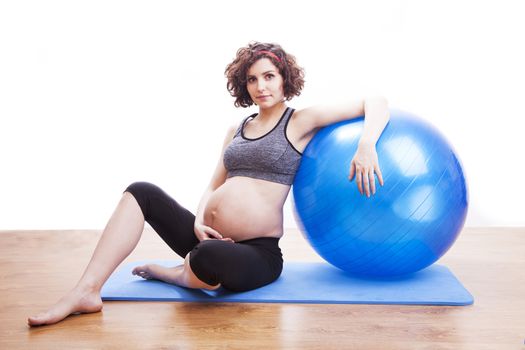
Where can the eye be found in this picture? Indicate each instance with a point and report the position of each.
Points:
(269, 76)
(251, 79)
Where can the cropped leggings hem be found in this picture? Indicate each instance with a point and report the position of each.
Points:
(239, 266)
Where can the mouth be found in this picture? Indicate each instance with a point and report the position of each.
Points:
(262, 97)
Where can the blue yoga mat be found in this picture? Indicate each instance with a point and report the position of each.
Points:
(302, 282)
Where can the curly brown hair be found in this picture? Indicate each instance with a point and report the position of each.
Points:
(293, 75)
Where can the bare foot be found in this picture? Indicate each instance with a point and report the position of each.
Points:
(158, 272)
(173, 275)
(72, 303)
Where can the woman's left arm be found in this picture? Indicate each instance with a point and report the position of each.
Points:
(365, 162)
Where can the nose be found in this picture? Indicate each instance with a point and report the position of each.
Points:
(261, 85)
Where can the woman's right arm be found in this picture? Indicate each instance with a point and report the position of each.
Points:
(202, 231)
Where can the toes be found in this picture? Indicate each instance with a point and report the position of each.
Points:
(138, 270)
(36, 320)
(142, 274)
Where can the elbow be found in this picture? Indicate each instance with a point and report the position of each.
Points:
(379, 101)
(378, 104)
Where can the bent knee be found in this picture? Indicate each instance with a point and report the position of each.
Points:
(141, 188)
(142, 192)
(194, 281)
(202, 262)
(214, 261)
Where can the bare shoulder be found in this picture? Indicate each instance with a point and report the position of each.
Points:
(301, 128)
(305, 114)
(232, 129)
(303, 121)
(230, 132)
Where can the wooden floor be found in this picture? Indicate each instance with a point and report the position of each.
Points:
(37, 267)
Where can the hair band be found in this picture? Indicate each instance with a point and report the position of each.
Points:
(269, 53)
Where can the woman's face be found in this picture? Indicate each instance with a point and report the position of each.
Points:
(265, 83)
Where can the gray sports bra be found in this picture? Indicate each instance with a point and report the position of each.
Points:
(270, 157)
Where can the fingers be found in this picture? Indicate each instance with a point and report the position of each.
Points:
(352, 171)
(379, 175)
(212, 233)
(359, 181)
(365, 179)
(372, 181)
(366, 184)
(218, 236)
(364, 167)
(227, 239)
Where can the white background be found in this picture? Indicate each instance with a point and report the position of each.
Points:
(97, 94)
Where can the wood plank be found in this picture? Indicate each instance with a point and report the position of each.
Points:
(37, 267)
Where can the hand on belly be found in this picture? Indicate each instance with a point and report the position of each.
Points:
(244, 208)
(204, 232)
(242, 223)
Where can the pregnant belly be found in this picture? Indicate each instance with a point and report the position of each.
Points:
(244, 208)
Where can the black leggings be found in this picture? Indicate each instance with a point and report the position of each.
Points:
(238, 266)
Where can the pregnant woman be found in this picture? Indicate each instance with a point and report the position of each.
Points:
(233, 238)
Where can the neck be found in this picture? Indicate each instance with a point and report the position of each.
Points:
(273, 112)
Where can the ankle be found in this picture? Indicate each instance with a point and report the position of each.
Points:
(89, 288)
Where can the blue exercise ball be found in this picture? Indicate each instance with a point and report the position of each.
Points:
(408, 224)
